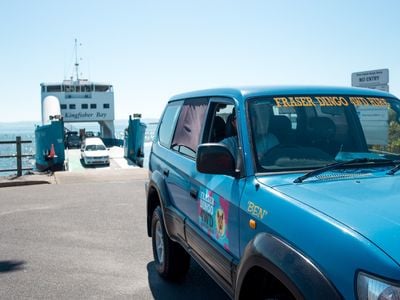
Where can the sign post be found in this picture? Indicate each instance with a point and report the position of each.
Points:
(375, 79)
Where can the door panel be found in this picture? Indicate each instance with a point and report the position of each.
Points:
(212, 232)
(217, 212)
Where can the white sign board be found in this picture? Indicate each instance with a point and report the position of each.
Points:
(374, 121)
(370, 78)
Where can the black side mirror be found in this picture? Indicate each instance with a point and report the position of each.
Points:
(214, 158)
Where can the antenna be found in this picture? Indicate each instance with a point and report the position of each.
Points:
(76, 60)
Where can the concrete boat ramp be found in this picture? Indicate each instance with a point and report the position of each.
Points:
(117, 161)
(120, 170)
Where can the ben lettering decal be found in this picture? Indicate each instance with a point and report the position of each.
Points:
(256, 211)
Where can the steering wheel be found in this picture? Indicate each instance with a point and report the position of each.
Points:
(278, 151)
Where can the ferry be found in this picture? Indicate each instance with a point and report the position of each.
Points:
(84, 101)
(80, 101)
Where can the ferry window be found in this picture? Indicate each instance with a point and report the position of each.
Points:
(86, 88)
(102, 88)
(63, 106)
(72, 106)
(93, 105)
(54, 88)
(84, 106)
(106, 105)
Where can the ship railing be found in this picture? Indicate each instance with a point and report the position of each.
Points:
(18, 155)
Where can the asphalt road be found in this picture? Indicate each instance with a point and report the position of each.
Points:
(85, 239)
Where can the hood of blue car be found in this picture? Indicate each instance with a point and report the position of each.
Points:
(369, 206)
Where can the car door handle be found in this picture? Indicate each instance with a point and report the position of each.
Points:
(166, 172)
(194, 193)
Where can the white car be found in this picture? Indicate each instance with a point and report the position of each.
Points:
(94, 152)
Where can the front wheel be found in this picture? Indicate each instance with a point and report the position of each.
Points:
(171, 260)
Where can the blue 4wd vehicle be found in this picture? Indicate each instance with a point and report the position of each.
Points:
(279, 193)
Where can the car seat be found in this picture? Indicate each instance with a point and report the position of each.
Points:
(281, 127)
(230, 130)
(322, 132)
(218, 130)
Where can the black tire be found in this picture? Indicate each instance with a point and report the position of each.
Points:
(171, 260)
(260, 285)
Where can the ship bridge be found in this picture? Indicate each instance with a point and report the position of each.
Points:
(83, 101)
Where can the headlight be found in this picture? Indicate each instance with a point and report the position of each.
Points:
(373, 288)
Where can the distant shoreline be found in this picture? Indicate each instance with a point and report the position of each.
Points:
(119, 121)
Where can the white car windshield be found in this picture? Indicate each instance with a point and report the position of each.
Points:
(298, 132)
(95, 147)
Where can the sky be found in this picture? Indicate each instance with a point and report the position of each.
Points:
(150, 50)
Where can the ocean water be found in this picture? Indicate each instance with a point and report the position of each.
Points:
(26, 130)
(9, 132)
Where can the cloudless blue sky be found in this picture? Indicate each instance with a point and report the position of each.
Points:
(151, 50)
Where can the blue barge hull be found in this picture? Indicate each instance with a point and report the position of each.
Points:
(134, 140)
(50, 146)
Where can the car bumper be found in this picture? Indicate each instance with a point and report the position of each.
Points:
(96, 161)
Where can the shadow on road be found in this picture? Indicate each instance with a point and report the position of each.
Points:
(196, 285)
(11, 265)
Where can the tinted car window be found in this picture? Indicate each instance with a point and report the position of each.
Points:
(188, 128)
(313, 131)
(95, 147)
(168, 123)
(219, 115)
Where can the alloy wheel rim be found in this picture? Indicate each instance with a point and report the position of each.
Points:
(159, 243)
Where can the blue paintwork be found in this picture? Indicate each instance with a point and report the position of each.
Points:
(45, 136)
(134, 140)
(369, 206)
(346, 224)
(342, 225)
(338, 250)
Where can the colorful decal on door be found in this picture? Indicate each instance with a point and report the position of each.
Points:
(213, 216)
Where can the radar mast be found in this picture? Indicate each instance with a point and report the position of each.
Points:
(76, 60)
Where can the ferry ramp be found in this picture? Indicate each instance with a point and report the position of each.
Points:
(74, 163)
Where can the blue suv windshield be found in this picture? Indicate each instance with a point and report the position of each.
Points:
(306, 132)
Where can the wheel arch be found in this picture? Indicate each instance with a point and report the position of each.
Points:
(297, 273)
(156, 196)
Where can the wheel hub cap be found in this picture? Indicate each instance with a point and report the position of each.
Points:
(159, 243)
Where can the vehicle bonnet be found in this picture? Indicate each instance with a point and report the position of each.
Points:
(367, 204)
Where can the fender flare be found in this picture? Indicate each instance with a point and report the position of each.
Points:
(157, 184)
(298, 273)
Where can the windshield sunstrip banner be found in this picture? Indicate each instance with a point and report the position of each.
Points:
(307, 101)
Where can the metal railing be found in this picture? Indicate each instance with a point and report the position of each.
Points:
(18, 142)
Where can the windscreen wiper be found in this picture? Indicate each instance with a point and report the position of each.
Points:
(394, 170)
(340, 164)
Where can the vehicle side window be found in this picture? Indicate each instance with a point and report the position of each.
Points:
(219, 122)
(189, 126)
(168, 121)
